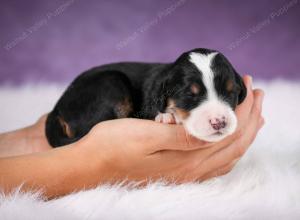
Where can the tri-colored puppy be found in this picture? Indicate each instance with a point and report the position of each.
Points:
(199, 90)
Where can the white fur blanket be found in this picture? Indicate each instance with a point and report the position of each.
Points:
(265, 184)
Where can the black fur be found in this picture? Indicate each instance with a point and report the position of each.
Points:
(139, 90)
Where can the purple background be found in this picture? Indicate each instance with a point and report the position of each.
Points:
(55, 40)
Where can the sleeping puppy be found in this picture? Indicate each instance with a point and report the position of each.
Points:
(199, 90)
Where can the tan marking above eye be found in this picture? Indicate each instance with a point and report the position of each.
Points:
(229, 85)
(195, 88)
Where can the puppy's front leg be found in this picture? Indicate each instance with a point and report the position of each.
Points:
(166, 118)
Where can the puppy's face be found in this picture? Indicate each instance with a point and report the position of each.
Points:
(208, 91)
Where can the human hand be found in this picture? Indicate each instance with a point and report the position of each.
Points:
(143, 150)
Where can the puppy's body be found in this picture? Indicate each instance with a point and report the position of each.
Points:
(200, 89)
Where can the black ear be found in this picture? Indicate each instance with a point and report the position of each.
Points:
(243, 89)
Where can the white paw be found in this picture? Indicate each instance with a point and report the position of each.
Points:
(166, 118)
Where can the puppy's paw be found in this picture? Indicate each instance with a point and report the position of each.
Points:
(166, 118)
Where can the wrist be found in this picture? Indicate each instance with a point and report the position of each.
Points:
(90, 163)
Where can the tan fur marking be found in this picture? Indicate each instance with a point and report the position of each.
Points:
(124, 108)
(229, 85)
(66, 128)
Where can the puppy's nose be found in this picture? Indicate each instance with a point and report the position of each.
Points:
(218, 123)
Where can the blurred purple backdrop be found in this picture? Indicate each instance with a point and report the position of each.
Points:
(53, 41)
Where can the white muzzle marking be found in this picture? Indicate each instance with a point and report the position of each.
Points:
(211, 121)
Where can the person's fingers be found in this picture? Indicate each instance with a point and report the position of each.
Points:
(217, 146)
(154, 136)
(256, 110)
(219, 172)
(261, 122)
(257, 105)
(248, 81)
(174, 137)
(190, 160)
(243, 110)
(235, 151)
(225, 156)
(196, 176)
(240, 146)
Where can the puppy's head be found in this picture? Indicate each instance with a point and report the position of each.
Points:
(207, 91)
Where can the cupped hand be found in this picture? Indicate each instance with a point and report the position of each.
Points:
(144, 150)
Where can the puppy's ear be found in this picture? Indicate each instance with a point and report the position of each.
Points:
(242, 88)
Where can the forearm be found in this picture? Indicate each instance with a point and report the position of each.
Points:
(27, 140)
(56, 172)
(18, 143)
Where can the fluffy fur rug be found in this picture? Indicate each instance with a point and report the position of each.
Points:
(265, 184)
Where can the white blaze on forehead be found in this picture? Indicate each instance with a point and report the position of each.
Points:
(203, 63)
(198, 123)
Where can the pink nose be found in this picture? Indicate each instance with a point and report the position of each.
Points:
(218, 123)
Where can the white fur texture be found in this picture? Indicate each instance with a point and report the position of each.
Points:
(265, 184)
(213, 108)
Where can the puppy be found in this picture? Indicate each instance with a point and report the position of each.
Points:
(200, 90)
